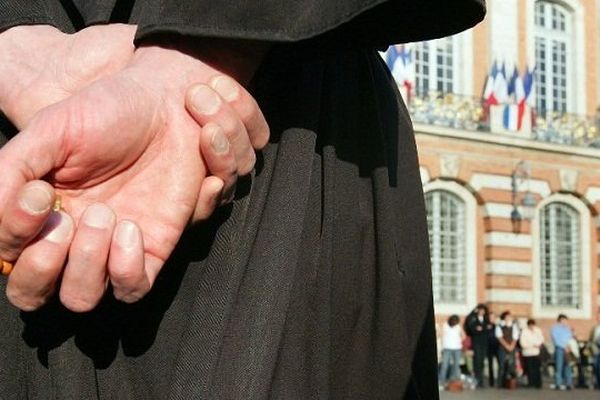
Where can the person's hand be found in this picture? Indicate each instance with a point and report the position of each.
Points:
(124, 143)
(44, 66)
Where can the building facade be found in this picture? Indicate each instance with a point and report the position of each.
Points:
(506, 124)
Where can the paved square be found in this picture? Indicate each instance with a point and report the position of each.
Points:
(522, 394)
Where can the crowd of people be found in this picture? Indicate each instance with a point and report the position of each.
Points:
(516, 354)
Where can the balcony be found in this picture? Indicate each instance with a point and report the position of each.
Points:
(468, 113)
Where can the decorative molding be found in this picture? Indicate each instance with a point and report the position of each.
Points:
(449, 165)
(568, 179)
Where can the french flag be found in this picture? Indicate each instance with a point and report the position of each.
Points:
(489, 97)
(513, 113)
(399, 61)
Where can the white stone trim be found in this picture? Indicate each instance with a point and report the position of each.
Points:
(503, 182)
(506, 239)
(585, 312)
(464, 63)
(497, 210)
(425, 177)
(506, 141)
(509, 296)
(471, 246)
(592, 194)
(503, 267)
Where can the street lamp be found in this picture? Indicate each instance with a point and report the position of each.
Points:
(519, 175)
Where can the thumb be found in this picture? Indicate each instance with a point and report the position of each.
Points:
(30, 155)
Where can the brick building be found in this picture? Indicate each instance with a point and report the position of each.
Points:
(505, 121)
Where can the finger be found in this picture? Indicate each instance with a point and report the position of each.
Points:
(37, 270)
(205, 105)
(30, 155)
(209, 198)
(126, 263)
(246, 108)
(219, 158)
(84, 280)
(24, 218)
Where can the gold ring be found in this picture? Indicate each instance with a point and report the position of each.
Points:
(7, 267)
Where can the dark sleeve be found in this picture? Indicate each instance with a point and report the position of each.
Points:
(60, 14)
(377, 22)
(20, 12)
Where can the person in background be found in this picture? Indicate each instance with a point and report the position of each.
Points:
(452, 343)
(532, 339)
(561, 336)
(595, 347)
(493, 344)
(477, 324)
(507, 334)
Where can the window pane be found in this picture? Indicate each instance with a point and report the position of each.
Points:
(560, 256)
(446, 223)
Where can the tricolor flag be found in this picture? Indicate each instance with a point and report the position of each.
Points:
(501, 86)
(513, 113)
(488, 92)
(399, 61)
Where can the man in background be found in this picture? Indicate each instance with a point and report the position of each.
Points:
(561, 336)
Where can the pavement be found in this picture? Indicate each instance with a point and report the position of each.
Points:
(522, 394)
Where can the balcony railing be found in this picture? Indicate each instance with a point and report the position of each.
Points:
(468, 113)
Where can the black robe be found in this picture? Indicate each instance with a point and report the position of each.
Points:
(315, 283)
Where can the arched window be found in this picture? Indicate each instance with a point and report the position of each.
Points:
(560, 256)
(446, 222)
(435, 62)
(553, 54)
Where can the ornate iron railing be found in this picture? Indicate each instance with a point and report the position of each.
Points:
(465, 112)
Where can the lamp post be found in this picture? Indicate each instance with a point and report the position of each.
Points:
(521, 173)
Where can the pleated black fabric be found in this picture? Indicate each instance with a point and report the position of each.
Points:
(314, 284)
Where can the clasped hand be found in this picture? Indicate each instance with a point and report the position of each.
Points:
(137, 142)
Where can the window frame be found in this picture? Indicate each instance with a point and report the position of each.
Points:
(584, 311)
(471, 249)
(576, 73)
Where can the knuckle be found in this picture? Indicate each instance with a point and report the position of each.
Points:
(85, 252)
(261, 138)
(39, 265)
(247, 164)
(77, 303)
(129, 297)
(23, 301)
(123, 277)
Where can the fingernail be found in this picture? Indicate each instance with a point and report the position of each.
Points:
(35, 200)
(58, 228)
(218, 141)
(128, 234)
(226, 87)
(98, 216)
(205, 100)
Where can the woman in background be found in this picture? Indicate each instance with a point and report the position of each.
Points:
(532, 340)
(452, 343)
